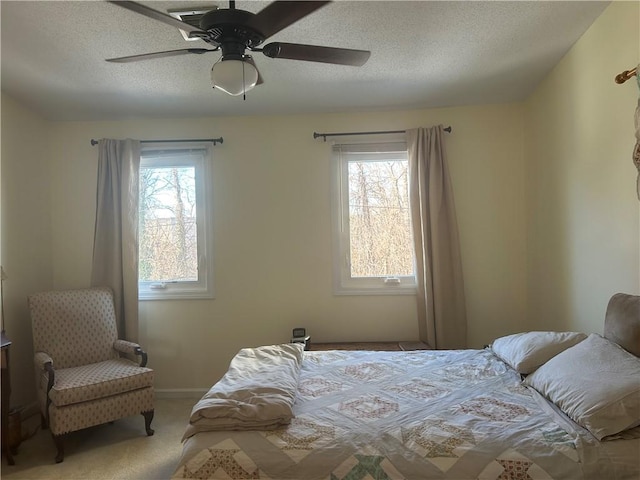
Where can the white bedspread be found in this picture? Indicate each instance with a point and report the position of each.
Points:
(257, 392)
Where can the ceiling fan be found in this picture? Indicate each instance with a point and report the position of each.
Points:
(234, 32)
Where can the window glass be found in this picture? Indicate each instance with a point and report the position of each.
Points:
(373, 245)
(174, 259)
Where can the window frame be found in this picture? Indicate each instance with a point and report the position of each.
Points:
(343, 282)
(198, 155)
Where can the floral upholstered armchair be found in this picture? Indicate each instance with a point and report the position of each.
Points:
(85, 375)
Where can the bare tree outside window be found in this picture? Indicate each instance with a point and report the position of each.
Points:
(379, 222)
(168, 250)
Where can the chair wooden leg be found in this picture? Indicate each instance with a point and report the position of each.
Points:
(58, 440)
(148, 416)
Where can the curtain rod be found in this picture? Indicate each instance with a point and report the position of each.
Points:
(214, 140)
(325, 135)
(626, 75)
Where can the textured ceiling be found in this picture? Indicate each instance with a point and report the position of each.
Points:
(424, 54)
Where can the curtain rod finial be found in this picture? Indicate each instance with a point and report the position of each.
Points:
(316, 135)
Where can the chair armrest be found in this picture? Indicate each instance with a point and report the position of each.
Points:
(44, 362)
(130, 348)
(41, 359)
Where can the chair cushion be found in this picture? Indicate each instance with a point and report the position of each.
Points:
(97, 380)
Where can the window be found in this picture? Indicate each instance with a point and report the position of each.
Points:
(373, 241)
(175, 253)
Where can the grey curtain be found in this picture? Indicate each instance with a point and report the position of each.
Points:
(115, 245)
(441, 301)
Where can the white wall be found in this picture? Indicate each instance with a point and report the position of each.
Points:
(26, 233)
(273, 233)
(583, 214)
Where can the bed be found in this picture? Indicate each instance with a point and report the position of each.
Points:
(537, 405)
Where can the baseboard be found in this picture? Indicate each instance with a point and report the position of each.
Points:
(196, 393)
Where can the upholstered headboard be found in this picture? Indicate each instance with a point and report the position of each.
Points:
(622, 322)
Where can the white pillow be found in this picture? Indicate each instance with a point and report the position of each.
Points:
(596, 383)
(525, 352)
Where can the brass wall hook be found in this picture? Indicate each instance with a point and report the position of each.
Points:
(626, 75)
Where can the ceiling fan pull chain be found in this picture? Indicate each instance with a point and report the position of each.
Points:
(244, 85)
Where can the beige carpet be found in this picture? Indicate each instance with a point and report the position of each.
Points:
(120, 450)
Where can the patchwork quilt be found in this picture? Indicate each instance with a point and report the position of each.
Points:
(459, 414)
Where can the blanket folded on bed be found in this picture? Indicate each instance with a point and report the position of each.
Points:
(256, 393)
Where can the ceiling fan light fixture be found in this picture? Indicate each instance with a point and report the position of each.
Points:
(234, 76)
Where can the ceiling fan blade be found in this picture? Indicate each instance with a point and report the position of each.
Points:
(313, 53)
(249, 59)
(156, 15)
(280, 14)
(168, 53)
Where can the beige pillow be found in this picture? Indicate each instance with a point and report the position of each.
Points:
(596, 383)
(525, 352)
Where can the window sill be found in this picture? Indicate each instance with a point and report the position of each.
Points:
(375, 291)
(175, 295)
